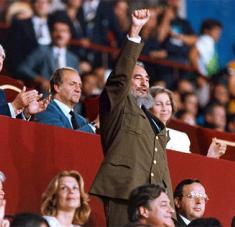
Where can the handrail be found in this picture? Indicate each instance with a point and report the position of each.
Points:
(112, 50)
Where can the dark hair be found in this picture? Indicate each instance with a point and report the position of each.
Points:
(34, 1)
(185, 95)
(211, 106)
(57, 78)
(209, 24)
(142, 196)
(178, 193)
(58, 19)
(205, 222)
(28, 220)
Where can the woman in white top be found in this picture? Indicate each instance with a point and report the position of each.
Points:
(163, 108)
(65, 203)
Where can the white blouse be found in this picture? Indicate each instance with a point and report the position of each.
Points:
(179, 141)
(53, 222)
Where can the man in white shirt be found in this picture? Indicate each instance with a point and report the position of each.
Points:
(190, 201)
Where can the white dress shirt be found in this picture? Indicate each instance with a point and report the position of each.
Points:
(42, 30)
(60, 56)
(179, 141)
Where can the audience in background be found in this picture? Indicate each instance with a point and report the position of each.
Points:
(149, 205)
(204, 56)
(215, 117)
(26, 35)
(65, 202)
(42, 62)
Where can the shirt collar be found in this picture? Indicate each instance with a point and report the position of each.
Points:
(65, 109)
(186, 221)
(57, 49)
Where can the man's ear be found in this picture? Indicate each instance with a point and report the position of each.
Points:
(144, 212)
(177, 202)
(56, 88)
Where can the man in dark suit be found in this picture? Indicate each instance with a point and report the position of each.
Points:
(27, 34)
(39, 65)
(66, 91)
(27, 102)
(133, 140)
(190, 201)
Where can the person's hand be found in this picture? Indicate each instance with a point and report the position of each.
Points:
(139, 19)
(216, 149)
(97, 122)
(36, 106)
(23, 99)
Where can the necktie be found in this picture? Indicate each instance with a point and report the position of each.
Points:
(73, 120)
(58, 60)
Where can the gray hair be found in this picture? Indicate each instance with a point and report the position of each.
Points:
(2, 177)
(2, 51)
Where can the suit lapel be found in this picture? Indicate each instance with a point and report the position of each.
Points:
(51, 59)
(65, 119)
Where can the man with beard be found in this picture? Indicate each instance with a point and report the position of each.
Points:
(133, 140)
(190, 201)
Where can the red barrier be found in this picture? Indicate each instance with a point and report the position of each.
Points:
(31, 154)
(201, 138)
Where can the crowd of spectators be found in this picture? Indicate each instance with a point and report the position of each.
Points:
(38, 42)
(38, 53)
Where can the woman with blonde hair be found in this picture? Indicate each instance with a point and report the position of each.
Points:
(163, 108)
(65, 203)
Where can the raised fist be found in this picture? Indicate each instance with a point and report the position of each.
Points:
(139, 19)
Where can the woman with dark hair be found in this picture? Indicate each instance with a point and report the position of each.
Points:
(65, 203)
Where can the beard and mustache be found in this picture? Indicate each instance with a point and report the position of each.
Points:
(145, 100)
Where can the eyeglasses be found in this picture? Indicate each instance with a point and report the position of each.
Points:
(197, 195)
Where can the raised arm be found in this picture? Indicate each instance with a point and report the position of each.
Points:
(118, 85)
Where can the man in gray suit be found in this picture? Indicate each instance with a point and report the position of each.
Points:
(133, 140)
(42, 62)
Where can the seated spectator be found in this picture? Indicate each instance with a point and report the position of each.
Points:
(203, 55)
(205, 222)
(27, 102)
(149, 205)
(27, 34)
(176, 32)
(215, 117)
(90, 85)
(163, 108)
(3, 222)
(29, 220)
(75, 16)
(39, 65)
(19, 11)
(65, 203)
(186, 117)
(190, 201)
(190, 103)
(66, 91)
